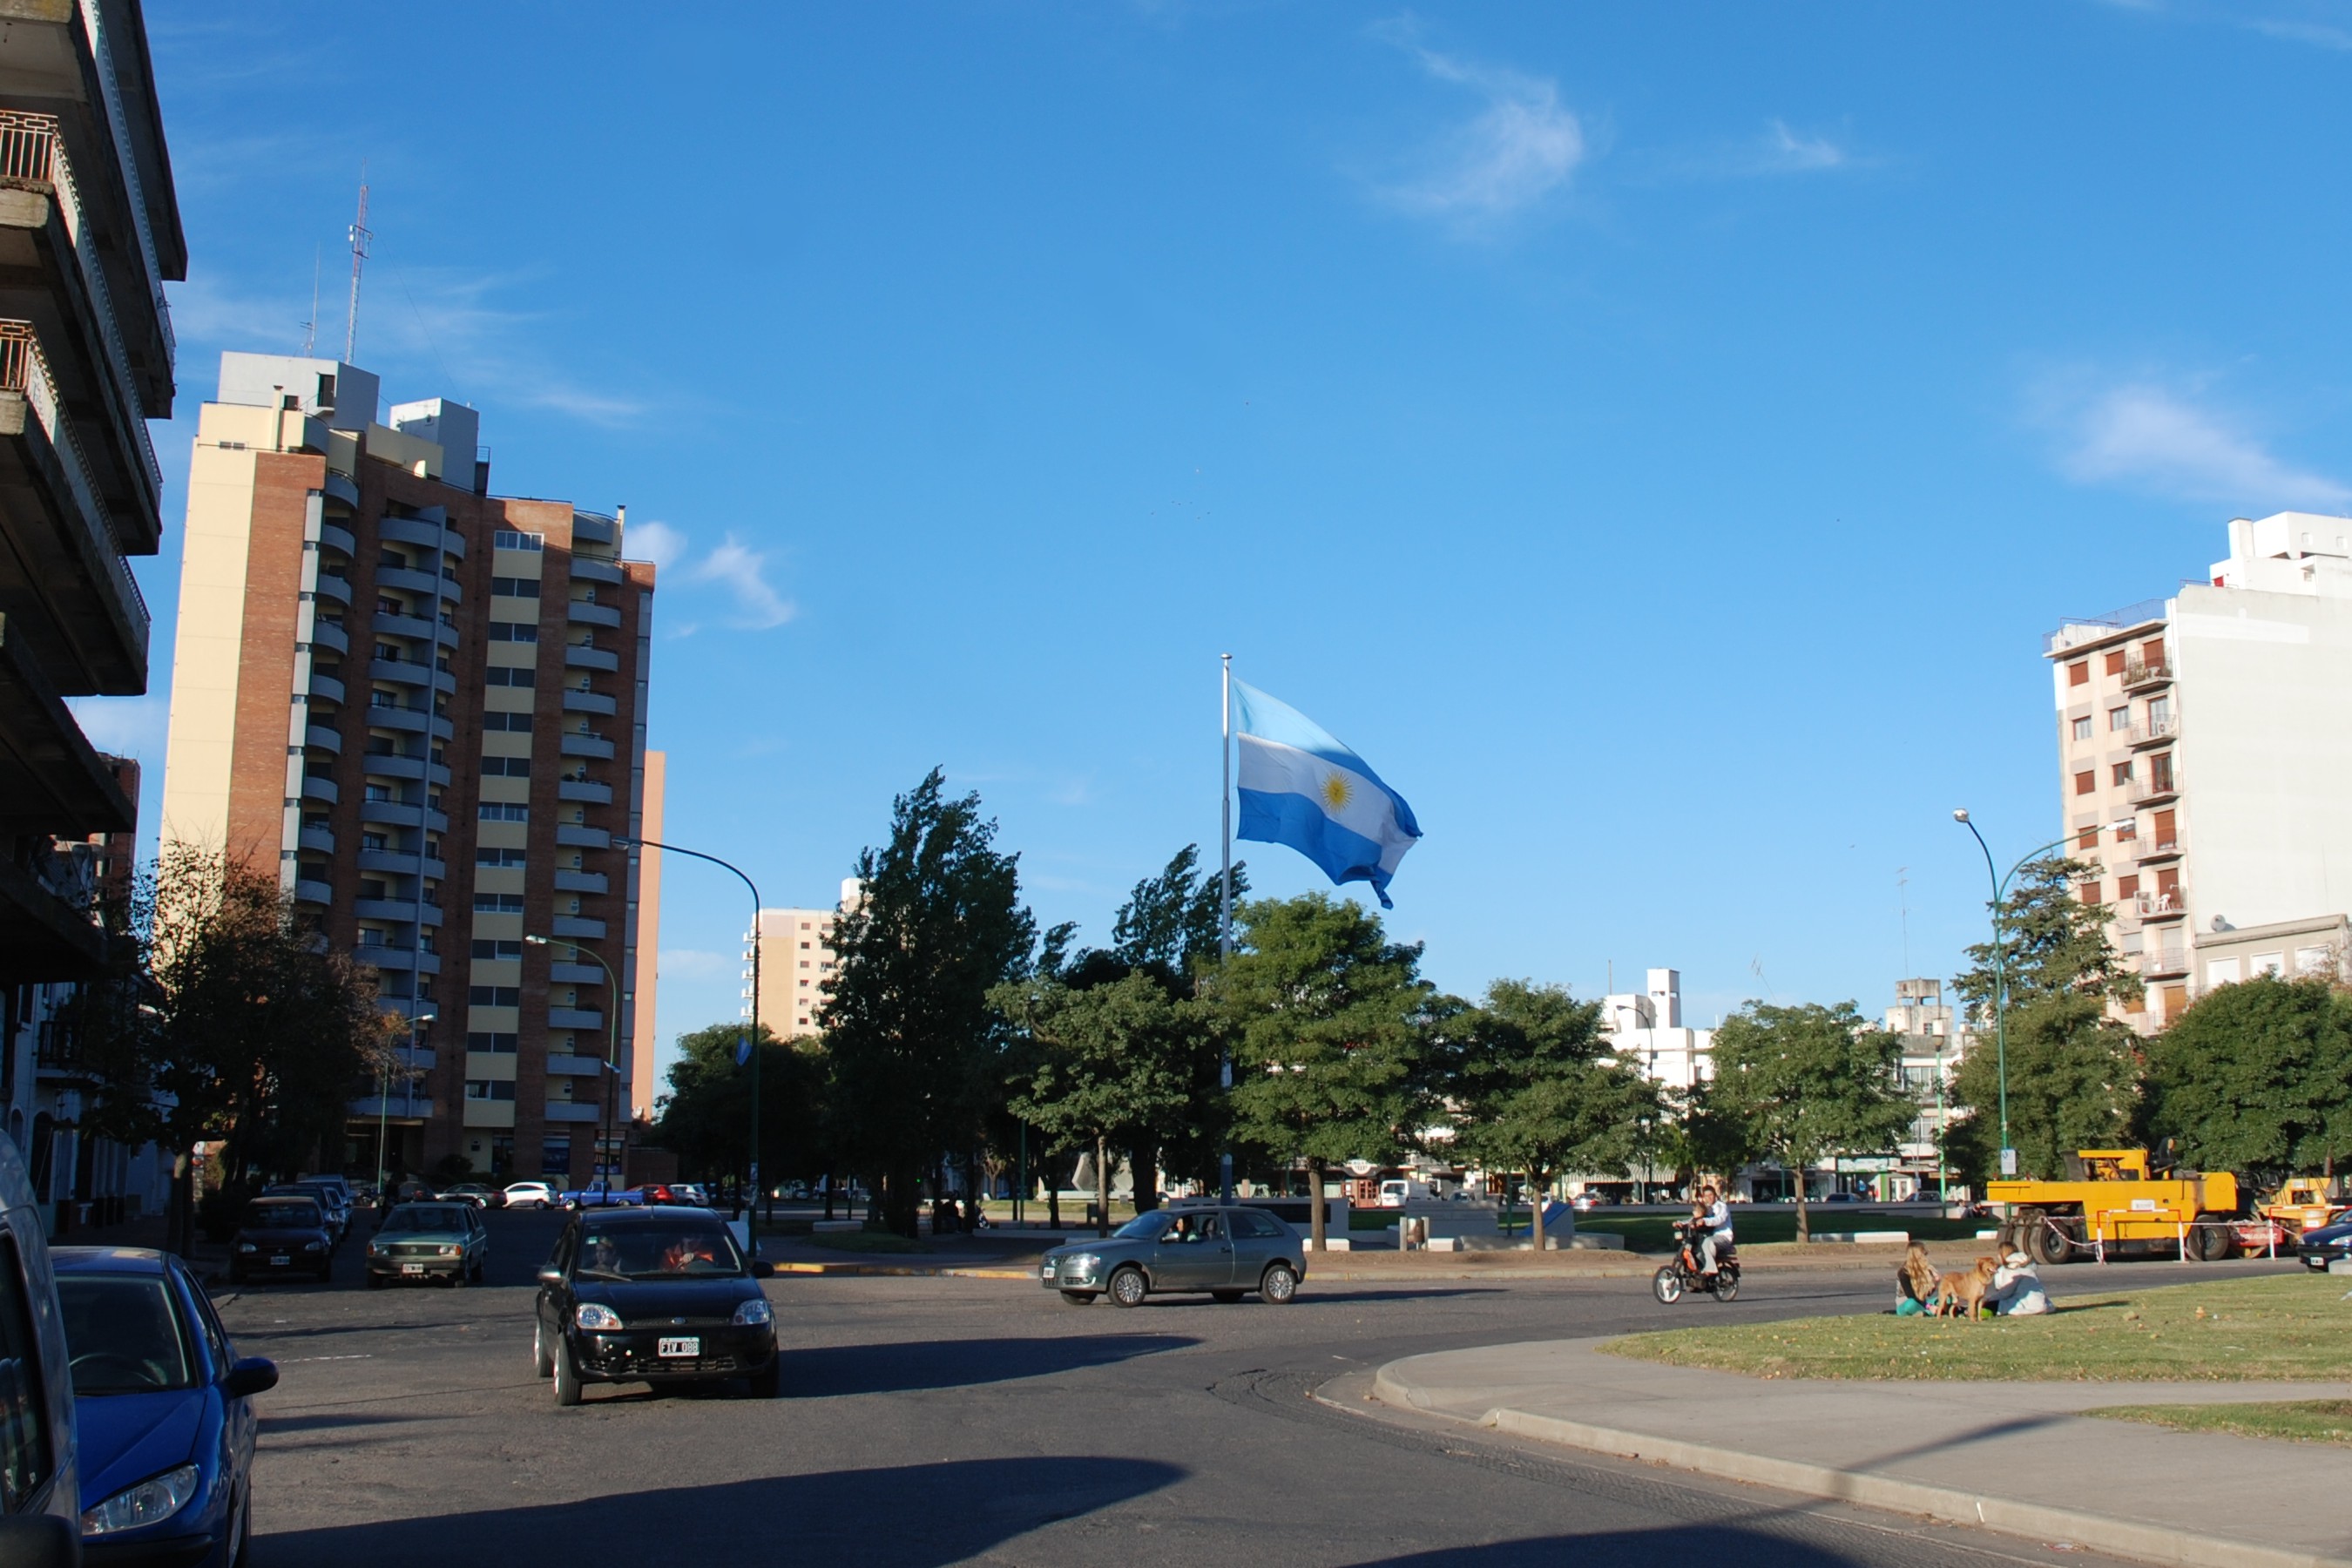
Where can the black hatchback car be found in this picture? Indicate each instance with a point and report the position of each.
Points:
(661, 1296)
(282, 1236)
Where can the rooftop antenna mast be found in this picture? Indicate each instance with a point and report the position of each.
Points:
(311, 327)
(361, 235)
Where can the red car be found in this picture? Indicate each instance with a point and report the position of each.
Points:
(659, 1193)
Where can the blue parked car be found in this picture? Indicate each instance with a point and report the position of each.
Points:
(164, 1409)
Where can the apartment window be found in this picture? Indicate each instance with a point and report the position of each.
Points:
(2122, 774)
(2119, 718)
(2115, 662)
(2126, 889)
(490, 1088)
(507, 538)
(497, 857)
(804, 947)
(515, 587)
(555, 1156)
(504, 811)
(2082, 728)
(2164, 829)
(368, 841)
(379, 792)
(513, 631)
(2167, 882)
(498, 1044)
(2159, 770)
(512, 723)
(497, 949)
(2088, 892)
(2126, 830)
(2079, 673)
(2152, 650)
(2086, 781)
(498, 903)
(2221, 972)
(509, 767)
(499, 674)
(390, 607)
(2087, 839)
(2159, 712)
(495, 996)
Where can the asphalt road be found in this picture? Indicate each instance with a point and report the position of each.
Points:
(929, 1422)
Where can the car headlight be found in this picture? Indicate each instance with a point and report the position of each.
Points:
(596, 1315)
(755, 1311)
(451, 1251)
(377, 1249)
(247, 1247)
(1081, 1263)
(312, 1246)
(156, 1499)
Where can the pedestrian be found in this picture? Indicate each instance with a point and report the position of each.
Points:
(1914, 1283)
(2016, 1290)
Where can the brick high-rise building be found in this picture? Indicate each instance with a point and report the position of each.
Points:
(426, 705)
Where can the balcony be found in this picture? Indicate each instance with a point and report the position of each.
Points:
(400, 671)
(575, 702)
(403, 814)
(320, 789)
(586, 656)
(581, 882)
(398, 716)
(72, 595)
(310, 891)
(579, 926)
(2152, 850)
(2140, 672)
(401, 1105)
(585, 790)
(559, 1066)
(415, 627)
(563, 974)
(422, 532)
(401, 863)
(574, 1018)
(335, 536)
(329, 635)
(589, 569)
(585, 746)
(325, 738)
(2160, 785)
(340, 488)
(319, 840)
(333, 585)
(2161, 906)
(396, 912)
(573, 1111)
(579, 835)
(593, 528)
(413, 582)
(2155, 732)
(390, 955)
(587, 613)
(392, 766)
(2165, 964)
(326, 685)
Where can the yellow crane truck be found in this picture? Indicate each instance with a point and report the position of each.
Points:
(2120, 1202)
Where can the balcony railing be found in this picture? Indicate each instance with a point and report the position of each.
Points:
(2154, 730)
(32, 150)
(23, 369)
(93, 18)
(2156, 786)
(2156, 848)
(2164, 963)
(2158, 905)
(2146, 672)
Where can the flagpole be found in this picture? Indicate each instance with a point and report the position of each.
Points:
(1225, 906)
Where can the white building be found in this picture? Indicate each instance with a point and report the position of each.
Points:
(2205, 745)
(1935, 1038)
(1645, 1029)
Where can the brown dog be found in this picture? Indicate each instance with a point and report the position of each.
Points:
(1959, 1295)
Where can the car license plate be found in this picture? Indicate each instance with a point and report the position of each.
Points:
(412, 1269)
(279, 1260)
(688, 1345)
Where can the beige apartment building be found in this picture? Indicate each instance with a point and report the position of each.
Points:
(426, 706)
(795, 957)
(2205, 746)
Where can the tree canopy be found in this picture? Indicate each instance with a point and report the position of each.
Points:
(1807, 1083)
(2257, 1077)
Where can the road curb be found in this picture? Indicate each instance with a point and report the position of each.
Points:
(2103, 1532)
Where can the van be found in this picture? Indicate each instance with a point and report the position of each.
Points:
(40, 1486)
(1395, 1193)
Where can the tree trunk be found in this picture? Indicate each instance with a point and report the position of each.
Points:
(828, 1194)
(1317, 1225)
(1804, 1216)
(175, 1215)
(1145, 1160)
(1102, 1187)
(1053, 1200)
(1535, 1209)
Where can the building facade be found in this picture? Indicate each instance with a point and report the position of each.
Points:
(89, 232)
(1933, 1039)
(2204, 740)
(795, 959)
(426, 705)
(1645, 1029)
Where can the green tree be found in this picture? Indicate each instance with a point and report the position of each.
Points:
(705, 1117)
(1328, 1018)
(2075, 1071)
(1100, 1064)
(917, 1052)
(227, 1018)
(2257, 1077)
(1807, 1083)
(1529, 1085)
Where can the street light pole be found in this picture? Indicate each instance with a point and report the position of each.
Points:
(751, 1229)
(2000, 972)
(611, 1049)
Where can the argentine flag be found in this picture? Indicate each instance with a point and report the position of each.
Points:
(1301, 787)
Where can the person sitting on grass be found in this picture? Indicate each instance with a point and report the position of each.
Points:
(2016, 1290)
(1914, 1283)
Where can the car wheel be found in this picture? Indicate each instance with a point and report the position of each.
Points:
(1079, 1298)
(1225, 1297)
(567, 1377)
(767, 1384)
(541, 1361)
(461, 1278)
(1279, 1286)
(1127, 1287)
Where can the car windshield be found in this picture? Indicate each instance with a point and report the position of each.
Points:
(284, 1213)
(123, 1335)
(657, 1252)
(425, 1216)
(1149, 1225)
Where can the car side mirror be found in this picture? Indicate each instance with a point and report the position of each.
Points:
(762, 1269)
(39, 1540)
(548, 1274)
(248, 1377)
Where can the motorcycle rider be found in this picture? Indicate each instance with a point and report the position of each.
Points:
(1714, 1227)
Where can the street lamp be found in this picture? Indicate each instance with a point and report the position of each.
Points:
(752, 1227)
(2000, 974)
(612, 1049)
(384, 1100)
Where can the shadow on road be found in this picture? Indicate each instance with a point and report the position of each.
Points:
(1312, 1294)
(837, 1369)
(281, 1425)
(913, 1515)
(1633, 1548)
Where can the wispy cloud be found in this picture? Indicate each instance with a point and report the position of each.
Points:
(733, 566)
(1795, 153)
(2318, 33)
(1519, 147)
(125, 726)
(2146, 436)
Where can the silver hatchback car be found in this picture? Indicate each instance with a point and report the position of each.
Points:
(1225, 1250)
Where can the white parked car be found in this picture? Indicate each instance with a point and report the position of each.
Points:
(530, 1196)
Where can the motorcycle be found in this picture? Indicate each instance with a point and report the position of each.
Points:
(1685, 1272)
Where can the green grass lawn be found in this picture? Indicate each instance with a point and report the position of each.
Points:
(2296, 1420)
(2277, 1327)
(1655, 1232)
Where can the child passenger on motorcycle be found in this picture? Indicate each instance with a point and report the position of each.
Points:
(1713, 1218)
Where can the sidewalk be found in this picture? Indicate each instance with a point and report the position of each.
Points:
(2012, 1456)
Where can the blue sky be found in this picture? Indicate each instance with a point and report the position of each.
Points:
(1656, 445)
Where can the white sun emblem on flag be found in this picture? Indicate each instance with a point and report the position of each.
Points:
(1336, 792)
